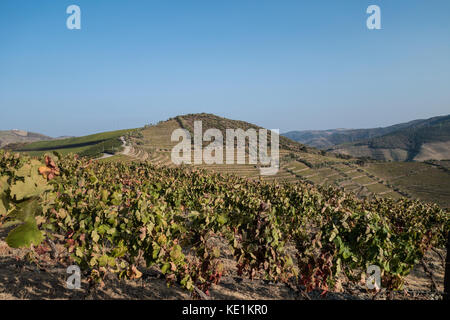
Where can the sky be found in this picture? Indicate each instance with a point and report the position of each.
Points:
(288, 65)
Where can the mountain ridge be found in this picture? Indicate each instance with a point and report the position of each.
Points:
(421, 139)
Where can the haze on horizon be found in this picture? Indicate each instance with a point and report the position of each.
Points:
(288, 64)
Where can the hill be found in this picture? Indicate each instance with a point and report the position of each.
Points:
(366, 178)
(424, 140)
(324, 139)
(20, 136)
(415, 140)
(91, 146)
(212, 121)
(428, 181)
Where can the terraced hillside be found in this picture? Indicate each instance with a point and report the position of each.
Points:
(425, 181)
(428, 181)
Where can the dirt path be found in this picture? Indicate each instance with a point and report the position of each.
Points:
(127, 151)
(105, 155)
(126, 148)
(131, 151)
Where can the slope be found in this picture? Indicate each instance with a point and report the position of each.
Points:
(90, 146)
(415, 140)
(365, 178)
(425, 140)
(19, 136)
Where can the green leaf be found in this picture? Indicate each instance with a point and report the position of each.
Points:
(105, 194)
(25, 211)
(79, 252)
(4, 186)
(338, 265)
(95, 236)
(11, 223)
(333, 234)
(120, 250)
(176, 252)
(103, 261)
(187, 282)
(155, 252)
(25, 235)
(346, 253)
(165, 267)
(93, 179)
(29, 169)
(93, 261)
(221, 219)
(31, 187)
(3, 205)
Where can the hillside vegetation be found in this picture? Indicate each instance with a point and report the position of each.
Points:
(366, 178)
(426, 181)
(316, 225)
(91, 146)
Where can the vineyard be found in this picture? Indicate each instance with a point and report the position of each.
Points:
(115, 218)
(414, 180)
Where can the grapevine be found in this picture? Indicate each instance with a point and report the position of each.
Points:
(113, 218)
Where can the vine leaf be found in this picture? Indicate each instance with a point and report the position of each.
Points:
(27, 232)
(3, 201)
(25, 235)
(30, 187)
(4, 186)
(28, 169)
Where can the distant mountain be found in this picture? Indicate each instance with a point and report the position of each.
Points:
(325, 139)
(415, 140)
(20, 136)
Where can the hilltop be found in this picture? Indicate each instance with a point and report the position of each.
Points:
(212, 121)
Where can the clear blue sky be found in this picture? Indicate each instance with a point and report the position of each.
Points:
(280, 64)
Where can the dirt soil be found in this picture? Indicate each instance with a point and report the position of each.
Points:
(21, 279)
